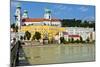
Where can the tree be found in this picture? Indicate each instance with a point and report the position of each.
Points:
(37, 35)
(14, 27)
(77, 41)
(24, 37)
(81, 39)
(69, 40)
(21, 37)
(77, 23)
(87, 40)
(72, 40)
(28, 35)
(62, 40)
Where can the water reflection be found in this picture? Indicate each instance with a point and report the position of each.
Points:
(59, 53)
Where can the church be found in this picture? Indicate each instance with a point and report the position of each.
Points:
(47, 25)
(47, 20)
(26, 20)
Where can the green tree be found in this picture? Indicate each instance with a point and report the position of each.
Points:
(72, 40)
(21, 37)
(28, 35)
(14, 27)
(24, 37)
(62, 40)
(81, 39)
(77, 41)
(69, 40)
(37, 35)
(87, 40)
(77, 23)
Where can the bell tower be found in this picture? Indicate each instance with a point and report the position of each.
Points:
(47, 14)
(25, 14)
(18, 16)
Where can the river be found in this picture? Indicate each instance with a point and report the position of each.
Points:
(47, 54)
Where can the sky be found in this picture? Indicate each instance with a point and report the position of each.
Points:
(59, 11)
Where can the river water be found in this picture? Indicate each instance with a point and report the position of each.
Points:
(48, 54)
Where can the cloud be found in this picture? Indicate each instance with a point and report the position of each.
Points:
(63, 7)
(62, 10)
(56, 13)
(91, 18)
(83, 9)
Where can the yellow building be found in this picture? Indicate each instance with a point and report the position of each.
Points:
(49, 31)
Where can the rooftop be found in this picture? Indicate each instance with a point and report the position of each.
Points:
(39, 20)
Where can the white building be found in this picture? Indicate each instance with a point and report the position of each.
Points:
(41, 21)
(23, 19)
(47, 20)
(76, 32)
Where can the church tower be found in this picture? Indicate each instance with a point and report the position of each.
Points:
(18, 16)
(47, 14)
(25, 14)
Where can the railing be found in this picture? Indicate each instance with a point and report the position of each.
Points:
(14, 54)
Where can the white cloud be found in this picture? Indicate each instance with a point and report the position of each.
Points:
(83, 9)
(89, 18)
(63, 7)
(62, 10)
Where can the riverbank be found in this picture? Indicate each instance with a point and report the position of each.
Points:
(70, 44)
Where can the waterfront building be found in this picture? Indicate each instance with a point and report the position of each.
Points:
(77, 32)
(50, 27)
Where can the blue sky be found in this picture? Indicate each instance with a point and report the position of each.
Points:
(60, 11)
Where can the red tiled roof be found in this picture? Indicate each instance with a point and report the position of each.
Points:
(38, 20)
(73, 35)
